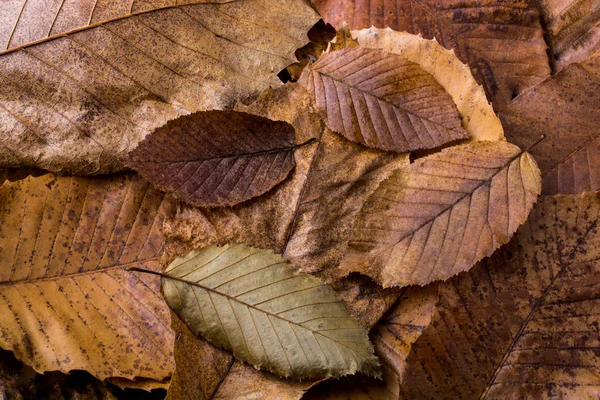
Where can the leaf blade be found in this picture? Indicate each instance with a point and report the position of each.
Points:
(252, 302)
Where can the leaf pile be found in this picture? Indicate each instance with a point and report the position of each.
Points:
(175, 219)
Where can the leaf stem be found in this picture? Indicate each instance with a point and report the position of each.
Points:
(532, 145)
(147, 271)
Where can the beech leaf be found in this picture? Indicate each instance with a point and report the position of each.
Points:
(217, 158)
(443, 213)
(254, 303)
(65, 301)
(382, 100)
(109, 73)
(523, 324)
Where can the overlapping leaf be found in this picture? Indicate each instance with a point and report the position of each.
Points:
(502, 42)
(568, 158)
(255, 304)
(523, 323)
(216, 158)
(478, 117)
(76, 102)
(65, 301)
(382, 100)
(443, 213)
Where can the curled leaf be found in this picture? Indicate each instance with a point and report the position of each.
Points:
(382, 100)
(216, 158)
(443, 213)
(254, 303)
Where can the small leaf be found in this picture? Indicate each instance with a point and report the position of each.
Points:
(382, 100)
(442, 214)
(217, 158)
(254, 303)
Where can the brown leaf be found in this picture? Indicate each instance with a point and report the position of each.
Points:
(65, 301)
(382, 100)
(478, 117)
(76, 102)
(216, 158)
(502, 42)
(309, 216)
(572, 29)
(393, 338)
(320, 35)
(524, 323)
(566, 108)
(443, 213)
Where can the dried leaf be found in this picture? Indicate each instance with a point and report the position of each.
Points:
(65, 301)
(78, 101)
(393, 338)
(309, 217)
(254, 303)
(502, 42)
(443, 213)
(478, 117)
(572, 29)
(382, 100)
(523, 324)
(566, 108)
(216, 158)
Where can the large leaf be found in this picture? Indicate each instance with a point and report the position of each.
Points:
(309, 216)
(382, 100)
(501, 41)
(566, 108)
(572, 29)
(65, 301)
(256, 304)
(523, 324)
(443, 213)
(216, 158)
(477, 116)
(76, 102)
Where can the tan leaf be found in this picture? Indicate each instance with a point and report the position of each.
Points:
(478, 117)
(256, 304)
(77, 101)
(308, 218)
(393, 337)
(502, 42)
(443, 213)
(572, 29)
(65, 301)
(523, 324)
(566, 108)
(382, 100)
(216, 158)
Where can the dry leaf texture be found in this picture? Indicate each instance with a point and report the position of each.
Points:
(572, 29)
(566, 108)
(216, 158)
(79, 101)
(443, 213)
(502, 42)
(382, 100)
(256, 304)
(523, 324)
(478, 117)
(65, 301)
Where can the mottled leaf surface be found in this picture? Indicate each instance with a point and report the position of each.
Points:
(78, 101)
(382, 100)
(566, 108)
(443, 213)
(503, 42)
(523, 324)
(65, 301)
(216, 158)
(256, 304)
